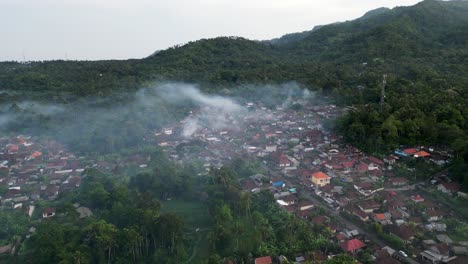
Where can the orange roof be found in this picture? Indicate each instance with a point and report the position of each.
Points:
(422, 153)
(263, 260)
(320, 175)
(36, 154)
(380, 216)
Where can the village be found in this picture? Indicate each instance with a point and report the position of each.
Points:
(35, 173)
(361, 199)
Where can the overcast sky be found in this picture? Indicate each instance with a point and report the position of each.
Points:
(122, 29)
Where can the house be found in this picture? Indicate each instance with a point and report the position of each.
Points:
(352, 245)
(398, 181)
(421, 154)
(376, 161)
(448, 187)
(395, 203)
(369, 206)
(248, 185)
(360, 214)
(439, 227)
(366, 188)
(441, 249)
(52, 191)
(320, 179)
(290, 199)
(404, 232)
(362, 167)
(283, 161)
(305, 205)
(417, 199)
(48, 212)
(444, 238)
(383, 219)
(434, 215)
(264, 260)
(410, 151)
(430, 257)
(271, 148)
(351, 233)
(383, 256)
(390, 160)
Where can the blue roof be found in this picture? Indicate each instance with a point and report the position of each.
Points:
(401, 153)
(278, 184)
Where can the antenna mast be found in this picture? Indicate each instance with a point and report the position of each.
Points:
(382, 92)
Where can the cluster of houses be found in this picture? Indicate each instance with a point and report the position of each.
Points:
(31, 171)
(297, 151)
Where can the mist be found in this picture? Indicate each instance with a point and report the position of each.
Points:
(107, 125)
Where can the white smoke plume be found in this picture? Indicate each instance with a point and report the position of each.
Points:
(215, 112)
(44, 109)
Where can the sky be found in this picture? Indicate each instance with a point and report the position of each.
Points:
(122, 29)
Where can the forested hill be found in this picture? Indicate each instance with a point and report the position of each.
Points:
(429, 39)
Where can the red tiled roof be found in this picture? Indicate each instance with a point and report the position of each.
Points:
(352, 245)
(284, 160)
(320, 175)
(422, 153)
(410, 151)
(376, 160)
(451, 186)
(417, 198)
(263, 260)
(380, 216)
(362, 167)
(403, 231)
(360, 213)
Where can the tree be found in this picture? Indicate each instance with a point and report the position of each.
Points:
(48, 243)
(103, 236)
(342, 259)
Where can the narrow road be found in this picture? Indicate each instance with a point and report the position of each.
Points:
(343, 221)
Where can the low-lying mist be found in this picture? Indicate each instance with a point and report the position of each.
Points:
(106, 125)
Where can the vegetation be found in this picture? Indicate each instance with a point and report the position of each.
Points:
(247, 225)
(423, 49)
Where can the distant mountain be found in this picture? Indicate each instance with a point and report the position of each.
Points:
(375, 12)
(431, 36)
(292, 37)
